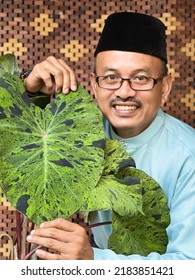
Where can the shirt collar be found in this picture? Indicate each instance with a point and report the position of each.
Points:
(143, 137)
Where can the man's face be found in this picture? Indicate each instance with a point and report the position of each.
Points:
(130, 111)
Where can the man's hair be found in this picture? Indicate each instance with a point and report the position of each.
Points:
(165, 70)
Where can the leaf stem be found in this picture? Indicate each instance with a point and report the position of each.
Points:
(31, 253)
(87, 227)
(18, 233)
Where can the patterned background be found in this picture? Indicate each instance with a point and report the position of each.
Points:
(33, 30)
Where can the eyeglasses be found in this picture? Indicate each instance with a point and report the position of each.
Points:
(139, 82)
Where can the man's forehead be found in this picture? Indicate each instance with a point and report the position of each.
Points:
(114, 60)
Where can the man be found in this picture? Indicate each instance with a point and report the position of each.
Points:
(130, 84)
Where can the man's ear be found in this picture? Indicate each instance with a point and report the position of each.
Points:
(93, 85)
(166, 89)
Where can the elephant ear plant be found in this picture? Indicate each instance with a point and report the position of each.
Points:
(55, 161)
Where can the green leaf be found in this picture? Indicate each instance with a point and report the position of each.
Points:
(140, 214)
(145, 232)
(50, 159)
(9, 64)
(123, 195)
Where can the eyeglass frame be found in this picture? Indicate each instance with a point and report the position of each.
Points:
(155, 81)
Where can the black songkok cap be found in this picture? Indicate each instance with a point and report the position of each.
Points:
(133, 32)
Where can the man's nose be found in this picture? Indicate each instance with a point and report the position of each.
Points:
(125, 90)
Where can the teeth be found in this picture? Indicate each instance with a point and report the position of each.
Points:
(125, 107)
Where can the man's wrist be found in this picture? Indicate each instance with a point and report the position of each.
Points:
(25, 74)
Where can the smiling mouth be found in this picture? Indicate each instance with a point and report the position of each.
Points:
(125, 107)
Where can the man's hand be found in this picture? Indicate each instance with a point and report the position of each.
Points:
(69, 241)
(51, 76)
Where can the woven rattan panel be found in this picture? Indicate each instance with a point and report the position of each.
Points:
(33, 30)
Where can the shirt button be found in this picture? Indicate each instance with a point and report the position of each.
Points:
(123, 144)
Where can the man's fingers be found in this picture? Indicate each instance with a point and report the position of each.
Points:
(51, 243)
(51, 76)
(72, 77)
(62, 224)
(63, 71)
